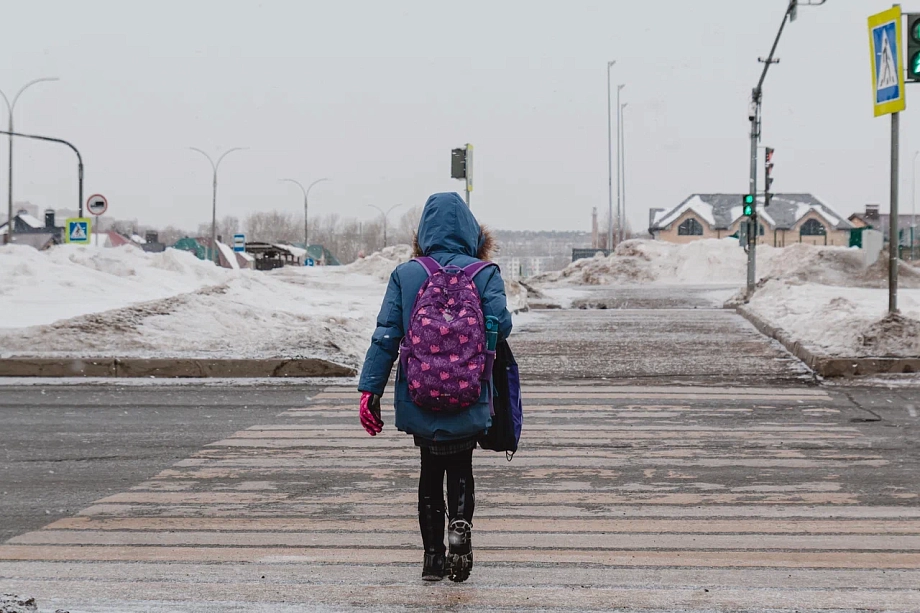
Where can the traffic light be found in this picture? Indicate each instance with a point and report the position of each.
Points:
(913, 46)
(768, 177)
(458, 163)
(748, 205)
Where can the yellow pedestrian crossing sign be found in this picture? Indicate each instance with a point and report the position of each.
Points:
(78, 230)
(888, 95)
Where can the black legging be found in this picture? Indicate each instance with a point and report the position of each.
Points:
(460, 489)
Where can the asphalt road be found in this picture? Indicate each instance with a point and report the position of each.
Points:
(706, 472)
(62, 447)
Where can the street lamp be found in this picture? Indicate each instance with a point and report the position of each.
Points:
(622, 158)
(619, 132)
(609, 165)
(385, 215)
(215, 166)
(306, 207)
(10, 106)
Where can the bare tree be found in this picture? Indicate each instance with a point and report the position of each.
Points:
(407, 226)
(274, 227)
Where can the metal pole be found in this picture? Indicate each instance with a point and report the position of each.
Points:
(609, 165)
(894, 239)
(10, 106)
(623, 166)
(306, 207)
(214, 252)
(913, 205)
(385, 214)
(619, 218)
(753, 230)
(79, 169)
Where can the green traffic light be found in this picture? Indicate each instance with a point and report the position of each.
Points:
(915, 30)
(748, 199)
(915, 65)
(748, 210)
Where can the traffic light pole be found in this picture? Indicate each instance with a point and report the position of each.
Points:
(752, 232)
(754, 116)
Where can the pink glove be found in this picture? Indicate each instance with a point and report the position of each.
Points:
(370, 413)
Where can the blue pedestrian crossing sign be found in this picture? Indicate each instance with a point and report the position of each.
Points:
(78, 230)
(309, 262)
(887, 73)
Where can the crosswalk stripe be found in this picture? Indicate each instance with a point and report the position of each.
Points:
(670, 486)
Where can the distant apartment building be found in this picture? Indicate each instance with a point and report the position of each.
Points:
(523, 267)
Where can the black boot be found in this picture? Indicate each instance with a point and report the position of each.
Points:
(460, 557)
(431, 523)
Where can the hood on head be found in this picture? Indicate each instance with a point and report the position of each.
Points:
(448, 226)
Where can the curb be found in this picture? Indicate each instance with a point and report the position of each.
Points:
(172, 368)
(828, 366)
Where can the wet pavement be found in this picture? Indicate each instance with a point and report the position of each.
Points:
(727, 482)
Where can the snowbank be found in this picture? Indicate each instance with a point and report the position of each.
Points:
(83, 302)
(841, 321)
(714, 261)
(381, 263)
(640, 261)
(41, 287)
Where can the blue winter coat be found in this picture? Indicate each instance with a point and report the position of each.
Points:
(450, 234)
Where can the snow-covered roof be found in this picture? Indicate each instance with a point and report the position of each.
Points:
(229, 255)
(297, 252)
(137, 238)
(30, 221)
(695, 204)
(720, 211)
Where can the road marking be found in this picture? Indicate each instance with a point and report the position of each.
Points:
(671, 486)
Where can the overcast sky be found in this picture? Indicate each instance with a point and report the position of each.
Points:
(375, 94)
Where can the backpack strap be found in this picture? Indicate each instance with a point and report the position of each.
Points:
(430, 265)
(477, 267)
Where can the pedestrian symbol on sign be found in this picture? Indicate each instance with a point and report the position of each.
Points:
(77, 231)
(887, 71)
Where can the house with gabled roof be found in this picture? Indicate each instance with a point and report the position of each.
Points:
(790, 219)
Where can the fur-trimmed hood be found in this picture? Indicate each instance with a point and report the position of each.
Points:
(448, 226)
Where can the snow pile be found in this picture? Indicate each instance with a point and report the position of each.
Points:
(85, 302)
(381, 263)
(517, 296)
(292, 312)
(722, 261)
(641, 261)
(41, 287)
(841, 321)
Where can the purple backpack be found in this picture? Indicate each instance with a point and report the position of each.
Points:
(443, 353)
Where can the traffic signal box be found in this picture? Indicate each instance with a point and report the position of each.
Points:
(913, 47)
(748, 205)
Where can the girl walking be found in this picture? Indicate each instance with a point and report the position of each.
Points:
(432, 320)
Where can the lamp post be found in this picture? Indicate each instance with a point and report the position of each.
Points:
(622, 157)
(215, 166)
(306, 207)
(385, 215)
(10, 106)
(609, 165)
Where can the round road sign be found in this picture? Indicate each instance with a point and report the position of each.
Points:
(97, 204)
